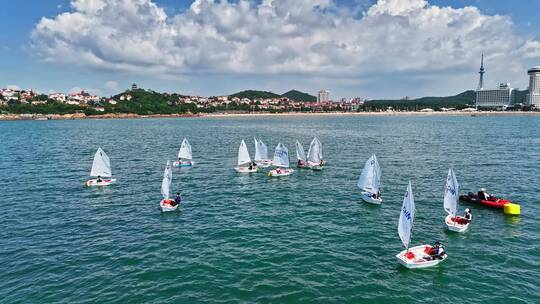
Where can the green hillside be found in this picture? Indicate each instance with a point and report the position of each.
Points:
(299, 96)
(253, 94)
(292, 94)
(458, 101)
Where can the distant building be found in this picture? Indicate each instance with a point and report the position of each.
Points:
(58, 97)
(533, 97)
(501, 97)
(323, 96)
(134, 87)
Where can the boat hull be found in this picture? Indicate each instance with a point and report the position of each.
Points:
(493, 203)
(452, 225)
(183, 163)
(303, 166)
(417, 257)
(282, 172)
(104, 182)
(246, 169)
(166, 206)
(263, 163)
(368, 198)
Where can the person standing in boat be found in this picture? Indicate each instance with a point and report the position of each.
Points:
(98, 180)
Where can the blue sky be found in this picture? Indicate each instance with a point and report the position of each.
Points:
(352, 48)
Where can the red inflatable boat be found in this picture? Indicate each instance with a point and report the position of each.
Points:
(493, 202)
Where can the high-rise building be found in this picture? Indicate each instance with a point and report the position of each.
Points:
(533, 97)
(323, 96)
(501, 97)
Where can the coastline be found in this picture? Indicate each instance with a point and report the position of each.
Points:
(77, 116)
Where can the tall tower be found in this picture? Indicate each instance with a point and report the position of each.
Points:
(481, 82)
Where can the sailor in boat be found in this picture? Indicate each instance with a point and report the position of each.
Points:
(437, 251)
(483, 195)
(176, 200)
(98, 180)
(467, 216)
(376, 195)
(278, 170)
(252, 165)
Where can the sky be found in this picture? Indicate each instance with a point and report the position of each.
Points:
(354, 48)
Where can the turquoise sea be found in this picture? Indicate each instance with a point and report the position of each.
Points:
(306, 238)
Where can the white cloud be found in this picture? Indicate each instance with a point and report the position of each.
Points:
(111, 87)
(312, 38)
(13, 87)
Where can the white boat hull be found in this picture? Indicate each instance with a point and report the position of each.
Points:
(453, 226)
(282, 172)
(263, 163)
(246, 169)
(418, 257)
(368, 198)
(183, 163)
(104, 182)
(166, 207)
(315, 166)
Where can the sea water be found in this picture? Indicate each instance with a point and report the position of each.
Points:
(306, 238)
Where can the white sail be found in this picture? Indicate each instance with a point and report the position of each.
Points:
(281, 156)
(261, 151)
(101, 165)
(300, 153)
(320, 147)
(370, 178)
(406, 217)
(243, 154)
(451, 193)
(185, 150)
(167, 180)
(314, 152)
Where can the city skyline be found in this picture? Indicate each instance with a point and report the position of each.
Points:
(352, 48)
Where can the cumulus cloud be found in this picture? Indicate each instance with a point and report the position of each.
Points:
(315, 38)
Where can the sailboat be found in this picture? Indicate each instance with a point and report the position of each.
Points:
(370, 181)
(314, 157)
(281, 161)
(261, 154)
(185, 155)
(452, 221)
(244, 161)
(301, 156)
(101, 169)
(166, 203)
(418, 256)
